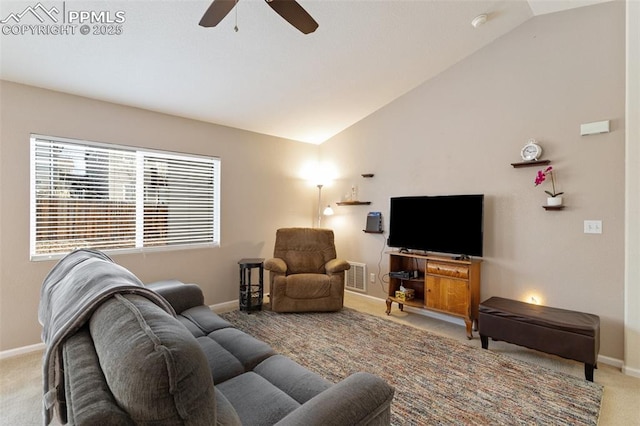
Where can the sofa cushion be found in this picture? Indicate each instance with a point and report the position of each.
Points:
(276, 386)
(256, 400)
(222, 363)
(166, 379)
(292, 378)
(204, 319)
(226, 414)
(231, 352)
(247, 349)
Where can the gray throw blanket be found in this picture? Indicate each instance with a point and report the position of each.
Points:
(70, 293)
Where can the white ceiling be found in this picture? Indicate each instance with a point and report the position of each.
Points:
(267, 77)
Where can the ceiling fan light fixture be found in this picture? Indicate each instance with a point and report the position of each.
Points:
(479, 20)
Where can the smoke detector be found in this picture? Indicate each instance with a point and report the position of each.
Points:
(479, 20)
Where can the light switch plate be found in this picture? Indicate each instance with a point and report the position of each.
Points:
(593, 227)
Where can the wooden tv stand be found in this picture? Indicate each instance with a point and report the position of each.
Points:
(442, 284)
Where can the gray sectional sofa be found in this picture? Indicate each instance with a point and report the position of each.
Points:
(130, 358)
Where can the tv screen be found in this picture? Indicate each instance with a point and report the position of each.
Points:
(450, 224)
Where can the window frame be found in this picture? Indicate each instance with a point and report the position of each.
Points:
(139, 213)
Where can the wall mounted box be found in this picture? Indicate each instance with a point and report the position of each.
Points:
(374, 222)
(594, 128)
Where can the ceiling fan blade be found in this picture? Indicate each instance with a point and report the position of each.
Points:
(216, 12)
(294, 14)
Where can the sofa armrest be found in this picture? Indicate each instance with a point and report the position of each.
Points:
(335, 266)
(276, 265)
(360, 399)
(179, 295)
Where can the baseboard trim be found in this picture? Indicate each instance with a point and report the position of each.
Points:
(614, 362)
(22, 350)
(633, 372)
(233, 305)
(225, 306)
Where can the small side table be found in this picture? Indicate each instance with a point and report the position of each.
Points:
(251, 293)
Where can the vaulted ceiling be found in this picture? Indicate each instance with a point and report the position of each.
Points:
(267, 77)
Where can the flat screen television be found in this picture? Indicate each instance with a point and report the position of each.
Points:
(451, 224)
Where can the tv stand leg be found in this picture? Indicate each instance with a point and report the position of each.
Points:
(468, 323)
(389, 302)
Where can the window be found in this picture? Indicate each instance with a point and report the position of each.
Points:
(111, 197)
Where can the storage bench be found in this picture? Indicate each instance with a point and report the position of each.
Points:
(569, 334)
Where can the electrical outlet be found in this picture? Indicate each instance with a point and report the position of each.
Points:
(593, 227)
(372, 277)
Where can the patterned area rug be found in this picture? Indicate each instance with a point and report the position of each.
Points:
(438, 380)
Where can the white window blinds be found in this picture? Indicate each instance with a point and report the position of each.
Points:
(110, 197)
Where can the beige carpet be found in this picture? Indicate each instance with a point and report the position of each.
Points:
(21, 390)
(438, 380)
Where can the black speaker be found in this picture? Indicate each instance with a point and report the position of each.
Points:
(374, 222)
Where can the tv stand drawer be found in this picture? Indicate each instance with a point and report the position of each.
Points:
(448, 269)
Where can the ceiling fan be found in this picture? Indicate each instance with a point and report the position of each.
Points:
(290, 10)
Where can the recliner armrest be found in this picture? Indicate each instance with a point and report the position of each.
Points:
(276, 265)
(179, 295)
(360, 399)
(336, 265)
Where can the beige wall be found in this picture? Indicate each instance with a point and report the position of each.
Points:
(459, 132)
(261, 190)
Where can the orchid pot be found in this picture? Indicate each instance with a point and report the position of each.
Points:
(554, 201)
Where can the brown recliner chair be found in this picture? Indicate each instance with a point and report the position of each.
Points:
(305, 275)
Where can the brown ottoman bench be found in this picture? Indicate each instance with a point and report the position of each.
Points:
(569, 334)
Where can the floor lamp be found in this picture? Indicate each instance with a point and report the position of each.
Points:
(328, 211)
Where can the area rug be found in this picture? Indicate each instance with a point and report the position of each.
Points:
(438, 380)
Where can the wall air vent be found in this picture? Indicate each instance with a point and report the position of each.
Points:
(354, 278)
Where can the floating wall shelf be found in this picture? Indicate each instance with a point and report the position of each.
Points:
(530, 163)
(353, 203)
(553, 207)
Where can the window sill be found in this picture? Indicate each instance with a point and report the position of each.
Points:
(116, 252)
